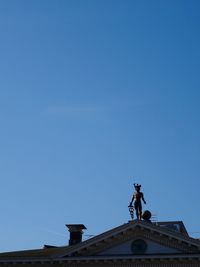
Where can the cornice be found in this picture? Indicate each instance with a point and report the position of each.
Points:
(145, 259)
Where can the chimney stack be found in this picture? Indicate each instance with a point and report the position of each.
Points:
(76, 232)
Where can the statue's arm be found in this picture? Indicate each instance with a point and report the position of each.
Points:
(143, 198)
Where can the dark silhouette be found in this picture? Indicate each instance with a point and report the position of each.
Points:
(137, 196)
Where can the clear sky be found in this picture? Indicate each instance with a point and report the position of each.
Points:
(94, 96)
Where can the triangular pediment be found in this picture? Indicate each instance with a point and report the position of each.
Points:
(139, 246)
(134, 238)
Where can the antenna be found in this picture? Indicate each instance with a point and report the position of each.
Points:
(88, 236)
(154, 218)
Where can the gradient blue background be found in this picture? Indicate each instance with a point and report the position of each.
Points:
(94, 96)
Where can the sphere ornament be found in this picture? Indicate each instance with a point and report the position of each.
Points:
(146, 215)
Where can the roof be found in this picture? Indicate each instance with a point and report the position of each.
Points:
(174, 244)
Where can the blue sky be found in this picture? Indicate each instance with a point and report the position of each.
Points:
(94, 96)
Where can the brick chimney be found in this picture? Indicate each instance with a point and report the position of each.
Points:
(76, 232)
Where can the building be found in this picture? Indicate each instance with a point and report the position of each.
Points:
(138, 243)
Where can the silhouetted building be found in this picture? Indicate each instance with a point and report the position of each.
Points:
(137, 243)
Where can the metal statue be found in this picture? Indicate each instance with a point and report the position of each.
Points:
(137, 196)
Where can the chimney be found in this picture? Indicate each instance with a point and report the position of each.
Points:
(76, 232)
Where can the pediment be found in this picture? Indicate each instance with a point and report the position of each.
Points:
(139, 246)
(123, 240)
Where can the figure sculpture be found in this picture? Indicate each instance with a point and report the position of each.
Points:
(137, 196)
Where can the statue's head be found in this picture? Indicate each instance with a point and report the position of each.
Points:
(137, 187)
